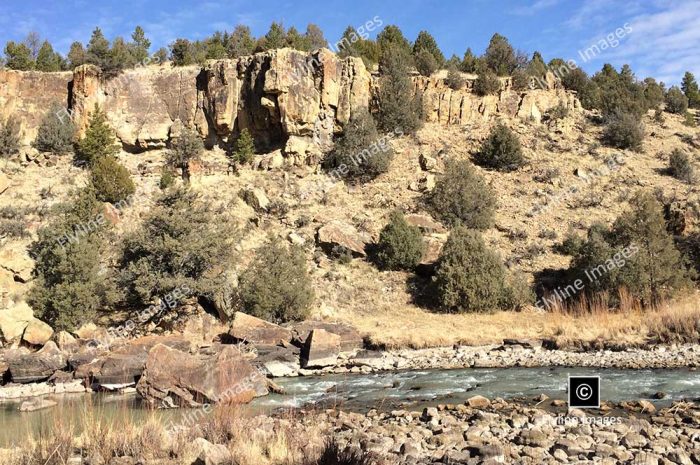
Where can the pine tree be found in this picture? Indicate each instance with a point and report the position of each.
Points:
(391, 40)
(140, 45)
(314, 37)
(99, 140)
(244, 149)
(427, 42)
(691, 90)
(98, 49)
(295, 40)
(18, 56)
(470, 62)
(120, 58)
(500, 56)
(241, 42)
(77, 55)
(181, 53)
(111, 181)
(275, 38)
(55, 134)
(47, 59)
(399, 108)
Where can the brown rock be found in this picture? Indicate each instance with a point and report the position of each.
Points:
(350, 338)
(478, 402)
(425, 223)
(36, 366)
(37, 333)
(191, 381)
(320, 350)
(339, 234)
(254, 330)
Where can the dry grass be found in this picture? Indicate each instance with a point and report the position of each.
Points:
(404, 326)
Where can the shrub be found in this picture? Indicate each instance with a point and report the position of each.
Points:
(425, 62)
(676, 101)
(244, 148)
(455, 81)
(13, 228)
(187, 147)
(487, 83)
(166, 179)
(680, 167)
(181, 244)
(558, 112)
(9, 137)
(399, 108)
(500, 56)
(520, 80)
(400, 245)
(276, 286)
(501, 150)
(70, 282)
(637, 253)
(689, 120)
(461, 196)
(55, 134)
(360, 155)
(111, 180)
(99, 140)
(624, 131)
(469, 276)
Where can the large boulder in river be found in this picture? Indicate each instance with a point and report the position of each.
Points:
(337, 235)
(175, 378)
(350, 338)
(256, 331)
(321, 349)
(125, 364)
(36, 366)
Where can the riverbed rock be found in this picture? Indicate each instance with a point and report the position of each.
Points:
(478, 402)
(210, 454)
(36, 404)
(37, 333)
(247, 328)
(174, 377)
(321, 349)
(337, 235)
(36, 366)
(350, 337)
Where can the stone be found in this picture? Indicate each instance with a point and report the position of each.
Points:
(256, 199)
(190, 381)
(320, 350)
(425, 223)
(478, 402)
(13, 322)
(633, 440)
(66, 342)
(427, 163)
(296, 239)
(36, 366)
(338, 234)
(88, 331)
(36, 404)
(210, 454)
(247, 328)
(37, 333)
(350, 338)
(647, 407)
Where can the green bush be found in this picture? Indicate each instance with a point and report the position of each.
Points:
(500, 56)
(624, 131)
(181, 244)
(71, 283)
(469, 276)
(400, 245)
(455, 81)
(111, 180)
(244, 148)
(676, 101)
(425, 62)
(689, 120)
(187, 147)
(680, 167)
(399, 108)
(166, 179)
(636, 254)
(56, 134)
(9, 137)
(99, 140)
(501, 150)
(461, 196)
(487, 83)
(276, 286)
(360, 154)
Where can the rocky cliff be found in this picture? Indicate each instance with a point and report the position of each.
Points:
(289, 100)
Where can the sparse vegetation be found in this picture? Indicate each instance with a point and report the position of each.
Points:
(399, 108)
(461, 196)
(680, 167)
(56, 133)
(487, 84)
(276, 286)
(9, 137)
(400, 245)
(501, 150)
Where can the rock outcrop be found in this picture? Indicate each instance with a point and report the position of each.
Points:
(247, 328)
(37, 366)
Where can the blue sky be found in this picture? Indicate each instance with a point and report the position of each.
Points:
(664, 40)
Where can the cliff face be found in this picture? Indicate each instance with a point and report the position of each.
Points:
(288, 99)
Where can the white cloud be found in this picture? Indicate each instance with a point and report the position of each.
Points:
(536, 7)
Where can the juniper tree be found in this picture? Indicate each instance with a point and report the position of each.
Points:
(99, 140)
(187, 147)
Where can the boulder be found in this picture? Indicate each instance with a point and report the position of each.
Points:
(256, 331)
(350, 338)
(478, 402)
(89, 331)
(13, 322)
(36, 366)
(425, 223)
(321, 349)
(427, 163)
(210, 454)
(173, 377)
(337, 234)
(37, 333)
(66, 342)
(256, 199)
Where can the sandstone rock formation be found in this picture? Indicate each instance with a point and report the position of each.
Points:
(256, 331)
(37, 366)
(320, 350)
(175, 378)
(337, 234)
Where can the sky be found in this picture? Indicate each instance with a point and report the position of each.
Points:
(659, 38)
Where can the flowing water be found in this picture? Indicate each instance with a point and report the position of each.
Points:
(386, 391)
